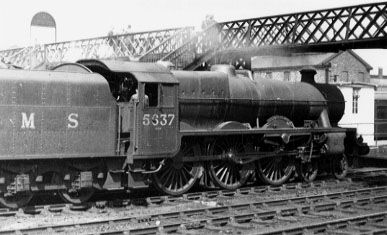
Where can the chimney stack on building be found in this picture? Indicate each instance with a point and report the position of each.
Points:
(380, 73)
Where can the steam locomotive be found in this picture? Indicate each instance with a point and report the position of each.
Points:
(117, 125)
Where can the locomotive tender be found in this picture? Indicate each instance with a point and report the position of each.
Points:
(78, 129)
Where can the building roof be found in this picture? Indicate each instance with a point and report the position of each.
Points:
(378, 81)
(300, 60)
(356, 84)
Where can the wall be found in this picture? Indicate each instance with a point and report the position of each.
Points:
(294, 75)
(364, 119)
(345, 67)
(348, 68)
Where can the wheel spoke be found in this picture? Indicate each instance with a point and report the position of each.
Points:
(184, 174)
(165, 172)
(168, 179)
(227, 177)
(269, 169)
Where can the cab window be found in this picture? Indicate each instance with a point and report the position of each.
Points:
(151, 94)
(167, 95)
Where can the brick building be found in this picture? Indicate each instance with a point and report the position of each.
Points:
(344, 66)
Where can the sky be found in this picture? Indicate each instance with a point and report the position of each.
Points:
(78, 19)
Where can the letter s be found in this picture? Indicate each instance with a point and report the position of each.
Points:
(73, 121)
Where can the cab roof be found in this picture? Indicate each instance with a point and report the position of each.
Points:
(143, 72)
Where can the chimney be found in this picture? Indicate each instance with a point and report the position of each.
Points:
(307, 75)
(380, 73)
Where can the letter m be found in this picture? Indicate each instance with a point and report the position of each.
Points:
(28, 123)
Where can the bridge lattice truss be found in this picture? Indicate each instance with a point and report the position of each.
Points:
(361, 26)
(130, 46)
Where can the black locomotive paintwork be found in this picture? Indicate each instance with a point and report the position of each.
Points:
(104, 125)
(209, 98)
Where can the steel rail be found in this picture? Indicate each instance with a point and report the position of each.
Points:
(337, 224)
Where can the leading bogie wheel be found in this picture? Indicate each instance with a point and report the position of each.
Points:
(340, 166)
(177, 176)
(307, 171)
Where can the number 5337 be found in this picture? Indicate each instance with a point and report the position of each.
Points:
(156, 119)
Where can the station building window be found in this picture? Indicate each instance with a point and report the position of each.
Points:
(287, 76)
(344, 76)
(355, 100)
(361, 77)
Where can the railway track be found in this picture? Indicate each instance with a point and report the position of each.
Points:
(287, 188)
(234, 216)
(73, 217)
(374, 223)
(263, 191)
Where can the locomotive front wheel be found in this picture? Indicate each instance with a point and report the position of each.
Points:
(275, 170)
(176, 176)
(340, 166)
(227, 173)
(307, 171)
(77, 197)
(16, 201)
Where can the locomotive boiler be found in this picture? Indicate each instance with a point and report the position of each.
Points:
(211, 98)
(114, 125)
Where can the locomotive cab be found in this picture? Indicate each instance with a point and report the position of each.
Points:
(153, 120)
(146, 95)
